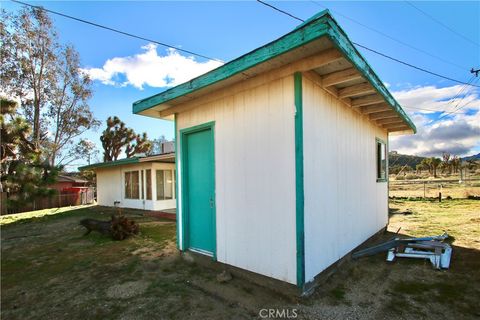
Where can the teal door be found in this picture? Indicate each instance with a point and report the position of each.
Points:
(199, 174)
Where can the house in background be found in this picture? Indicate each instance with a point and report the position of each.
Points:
(143, 182)
(281, 154)
(71, 191)
(65, 183)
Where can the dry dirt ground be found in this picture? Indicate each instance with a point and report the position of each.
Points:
(49, 270)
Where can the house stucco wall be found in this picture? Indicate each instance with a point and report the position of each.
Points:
(255, 175)
(111, 182)
(344, 204)
(109, 186)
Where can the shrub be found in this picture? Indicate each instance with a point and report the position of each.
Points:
(400, 178)
(411, 176)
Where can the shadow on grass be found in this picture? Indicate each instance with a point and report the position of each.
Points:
(96, 212)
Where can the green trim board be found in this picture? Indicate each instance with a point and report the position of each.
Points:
(110, 164)
(184, 180)
(269, 51)
(178, 213)
(322, 24)
(299, 180)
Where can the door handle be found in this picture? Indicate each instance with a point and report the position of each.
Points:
(211, 203)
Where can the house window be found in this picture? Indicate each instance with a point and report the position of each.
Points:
(164, 184)
(132, 185)
(381, 161)
(148, 180)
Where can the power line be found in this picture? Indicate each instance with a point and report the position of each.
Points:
(117, 31)
(441, 23)
(430, 110)
(412, 66)
(457, 107)
(462, 89)
(377, 52)
(214, 59)
(393, 39)
(280, 10)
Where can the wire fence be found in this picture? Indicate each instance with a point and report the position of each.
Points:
(455, 189)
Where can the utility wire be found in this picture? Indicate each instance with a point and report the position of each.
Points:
(462, 89)
(457, 106)
(441, 23)
(281, 11)
(377, 52)
(214, 59)
(430, 110)
(392, 38)
(117, 31)
(412, 66)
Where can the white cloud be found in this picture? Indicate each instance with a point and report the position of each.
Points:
(457, 133)
(150, 68)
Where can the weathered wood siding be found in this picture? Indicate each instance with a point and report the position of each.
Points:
(255, 175)
(344, 205)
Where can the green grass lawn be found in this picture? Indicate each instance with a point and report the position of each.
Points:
(50, 270)
(459, 218)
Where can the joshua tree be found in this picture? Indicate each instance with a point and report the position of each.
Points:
(117, 136)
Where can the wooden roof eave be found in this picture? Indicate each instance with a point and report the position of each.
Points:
(363, 97)
(344, 44)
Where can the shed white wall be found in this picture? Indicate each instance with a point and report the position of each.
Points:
(344, 204)
(255, 175)
(111, 182)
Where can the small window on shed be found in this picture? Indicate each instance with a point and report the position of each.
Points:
(381, 161)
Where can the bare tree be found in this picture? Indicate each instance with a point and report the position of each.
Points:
(69, 110)
(28, 62)
(46, 78)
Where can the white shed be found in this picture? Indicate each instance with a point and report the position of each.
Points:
(146, 183)
(281, 161)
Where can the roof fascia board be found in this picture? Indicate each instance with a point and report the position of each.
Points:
(343, 43)
(296, 38)
(322, 24)
(109, 164)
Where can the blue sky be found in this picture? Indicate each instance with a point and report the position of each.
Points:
(225, 30)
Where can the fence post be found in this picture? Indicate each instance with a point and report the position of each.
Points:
(424, 185)
(59, 200)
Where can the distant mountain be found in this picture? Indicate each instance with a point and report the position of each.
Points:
(474, 157)
(397, 159)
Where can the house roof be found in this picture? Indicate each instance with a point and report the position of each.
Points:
(342, 71)
(63, 178)
(165, 157)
